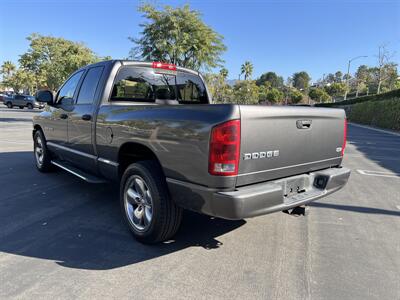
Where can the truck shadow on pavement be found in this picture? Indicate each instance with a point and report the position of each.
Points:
(358, 209)
(79, 225)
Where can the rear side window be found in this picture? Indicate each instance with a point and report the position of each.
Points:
(89, 85)
(140, 84)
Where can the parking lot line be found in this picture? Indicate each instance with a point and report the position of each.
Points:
(378, 173)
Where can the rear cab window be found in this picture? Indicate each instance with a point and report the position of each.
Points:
(144, 84)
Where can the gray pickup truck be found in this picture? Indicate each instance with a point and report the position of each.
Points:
(152, 128)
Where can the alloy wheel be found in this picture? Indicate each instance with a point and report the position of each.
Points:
(138, 203)
(39, 154)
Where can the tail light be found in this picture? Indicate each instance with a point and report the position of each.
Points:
(344, 136)
(164, 66)
(225, 149)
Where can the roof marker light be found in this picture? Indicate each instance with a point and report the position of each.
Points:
(164, 66)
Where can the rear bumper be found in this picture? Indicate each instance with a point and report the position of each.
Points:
(259, 199)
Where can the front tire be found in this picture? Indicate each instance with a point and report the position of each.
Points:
(9, 105)
(148, 210)
(41, 153)
(30, 106)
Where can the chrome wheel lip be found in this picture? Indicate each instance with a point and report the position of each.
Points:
(138, 203)
(39, 151)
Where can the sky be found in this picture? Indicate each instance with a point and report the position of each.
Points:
(286, 36)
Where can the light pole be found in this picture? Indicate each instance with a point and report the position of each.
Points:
(348, 74)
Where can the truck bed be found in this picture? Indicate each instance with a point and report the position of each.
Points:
(179, 135)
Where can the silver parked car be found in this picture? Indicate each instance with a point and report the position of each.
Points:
(22, 101)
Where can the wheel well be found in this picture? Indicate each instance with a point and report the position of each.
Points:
(36, 128)
(132, 152)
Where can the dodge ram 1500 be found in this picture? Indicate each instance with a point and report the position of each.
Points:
(152, 128)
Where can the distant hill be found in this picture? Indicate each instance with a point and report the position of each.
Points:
(231, 82)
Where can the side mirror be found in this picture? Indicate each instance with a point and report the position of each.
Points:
(45, 96)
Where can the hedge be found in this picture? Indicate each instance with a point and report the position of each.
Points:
(384, 114)
(380, 97)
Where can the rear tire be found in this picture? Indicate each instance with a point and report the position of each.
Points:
(148, 210)
(41, 153)
(9, 105)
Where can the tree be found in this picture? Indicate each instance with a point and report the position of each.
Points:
(384, 78)
(338, 76)
(247, 70)
(391, 76)
(289, 82)
(220, 91)
(397, 84)
(262, 91)
(21, 80)
(336, 89)
(362, 76)
(384, 57)
(178, 36)
(346, 77)
(224, 73)
(318, 94)
(271, 77)
(301, 80)
(330, 78)
(295, 96)
(51, 60)
(274, 95)
(7, 68)
(245, 92)
(376, 79)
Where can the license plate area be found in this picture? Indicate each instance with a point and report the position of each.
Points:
(294, 186)
(302, 196)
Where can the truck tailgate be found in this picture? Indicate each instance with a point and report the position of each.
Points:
(278, 142)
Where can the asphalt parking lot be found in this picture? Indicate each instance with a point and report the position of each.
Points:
(64, 238)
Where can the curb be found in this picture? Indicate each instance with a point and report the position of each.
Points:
(375, 129)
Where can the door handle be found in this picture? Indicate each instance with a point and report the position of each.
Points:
(86, 117)
(63, 116)
(303, 124)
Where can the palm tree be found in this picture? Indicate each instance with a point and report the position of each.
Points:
(7, 68)
(247, 69)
